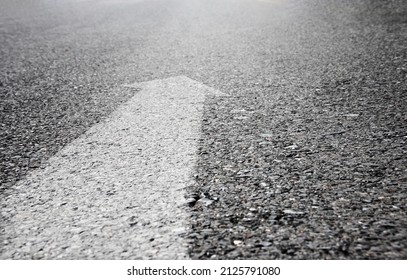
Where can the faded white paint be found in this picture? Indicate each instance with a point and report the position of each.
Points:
(115, 192)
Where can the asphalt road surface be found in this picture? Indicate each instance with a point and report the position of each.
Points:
(301, 155)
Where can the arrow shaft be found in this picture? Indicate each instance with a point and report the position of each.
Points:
(115, 191)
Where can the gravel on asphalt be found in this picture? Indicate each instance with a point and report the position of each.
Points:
(307, 157)
(312, 168)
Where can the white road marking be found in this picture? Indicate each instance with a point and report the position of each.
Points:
(114, 193)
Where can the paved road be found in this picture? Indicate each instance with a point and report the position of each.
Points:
(307, 157)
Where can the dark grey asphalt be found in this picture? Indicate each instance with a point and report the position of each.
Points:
(312, 166)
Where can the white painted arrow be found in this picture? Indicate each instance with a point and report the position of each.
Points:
(114, 193)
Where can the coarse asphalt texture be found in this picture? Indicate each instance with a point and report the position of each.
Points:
(117, 191)
(305, 160)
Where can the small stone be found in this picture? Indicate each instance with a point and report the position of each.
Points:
(238, 242)
(205, 201)
(233, 254)
(351, 115)
(265, 244)
(292, 147)
(190, 201)
(292, 212)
